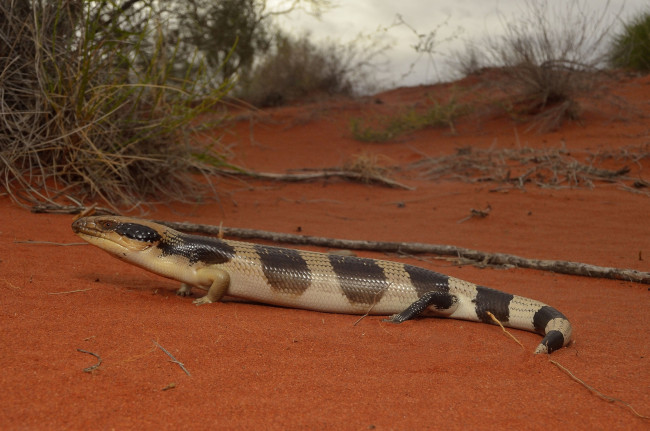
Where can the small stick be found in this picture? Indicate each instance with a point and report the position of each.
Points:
(318, 174)
(364, 315)
(69, 291)
(476, 213)
(91, 368)
(504, 329)
(50, 243)
(174, 360)
(70, 209)
(86, 212)
(10, 284)
(597, 392)
(369, 309)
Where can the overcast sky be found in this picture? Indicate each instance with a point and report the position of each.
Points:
(457, 20)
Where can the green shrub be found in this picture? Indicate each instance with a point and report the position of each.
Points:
(388, 128)
(630, 49)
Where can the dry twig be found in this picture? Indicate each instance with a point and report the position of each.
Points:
(476, 213)
(69, 291)
(174, 360)
(92, 367)
(504, 329)
(477, 256)
(597, 392)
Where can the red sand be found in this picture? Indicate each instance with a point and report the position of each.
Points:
(260, 367)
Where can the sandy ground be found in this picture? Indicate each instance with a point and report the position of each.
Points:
(262, 367)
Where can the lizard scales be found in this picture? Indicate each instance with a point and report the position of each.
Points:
(315, 281)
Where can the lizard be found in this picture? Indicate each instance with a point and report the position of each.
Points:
(315, 281)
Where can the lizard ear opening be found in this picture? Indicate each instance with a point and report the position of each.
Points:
(138, 232)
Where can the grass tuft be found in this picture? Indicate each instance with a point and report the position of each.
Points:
(388, 128)
(90, 108)
(550, 60)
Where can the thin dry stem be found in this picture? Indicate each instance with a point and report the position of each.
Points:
(596, 391)
(504, 329)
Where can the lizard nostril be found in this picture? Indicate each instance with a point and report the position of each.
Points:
(77, 225)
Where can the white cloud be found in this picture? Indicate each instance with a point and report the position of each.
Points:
(475, 18)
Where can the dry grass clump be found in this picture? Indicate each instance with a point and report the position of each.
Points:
(550, 60)
(89, 109)
(549, 167)
(368, 166)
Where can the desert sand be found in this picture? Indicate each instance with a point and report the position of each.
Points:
(254, 366)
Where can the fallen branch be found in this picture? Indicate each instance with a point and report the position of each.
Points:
(485, 258)
(322, 174)
(558, 266)
(53, 208)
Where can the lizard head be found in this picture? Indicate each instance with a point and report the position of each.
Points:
(120, 236)
(153, 246)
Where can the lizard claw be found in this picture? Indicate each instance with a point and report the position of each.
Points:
(202, 300)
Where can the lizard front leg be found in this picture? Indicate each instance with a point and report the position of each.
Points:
(184, 290)
(220, 282)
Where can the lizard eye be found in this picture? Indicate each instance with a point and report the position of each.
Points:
(107, 224)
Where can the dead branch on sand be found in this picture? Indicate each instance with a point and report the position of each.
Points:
(310, 175)
(558, 266)
(475, 256)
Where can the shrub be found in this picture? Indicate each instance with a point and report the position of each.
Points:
(630, 49)
(550, 58)
(229, 34)
(89, 106)
(296, 68)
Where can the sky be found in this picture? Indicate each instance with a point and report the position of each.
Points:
(456, 22)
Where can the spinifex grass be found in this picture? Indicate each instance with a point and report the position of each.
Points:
(92, 106)
(630, 48)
